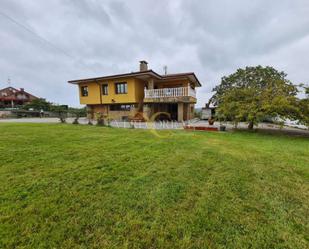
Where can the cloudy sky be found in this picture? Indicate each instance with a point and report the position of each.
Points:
(46, 43)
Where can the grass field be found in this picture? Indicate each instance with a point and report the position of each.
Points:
(66, 186)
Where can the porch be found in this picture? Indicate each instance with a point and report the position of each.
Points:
(176, 94)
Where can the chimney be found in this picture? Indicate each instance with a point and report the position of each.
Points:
(22, 89)
(143, 66)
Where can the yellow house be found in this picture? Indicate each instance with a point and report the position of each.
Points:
(142, 95)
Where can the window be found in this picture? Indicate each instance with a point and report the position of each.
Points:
(84, 91)
(121, 107)
(121, 88)
(105, 89)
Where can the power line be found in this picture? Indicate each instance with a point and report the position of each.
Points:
(43, 39)
(37, 35)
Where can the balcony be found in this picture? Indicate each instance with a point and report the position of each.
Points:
(170, 94)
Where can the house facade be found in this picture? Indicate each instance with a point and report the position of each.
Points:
(142, 95)
(11, 97)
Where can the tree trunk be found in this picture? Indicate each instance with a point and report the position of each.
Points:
(250, 125)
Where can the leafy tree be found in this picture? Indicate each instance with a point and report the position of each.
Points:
(61, 111)
(38, 104)
(252, 93)
(78, 112)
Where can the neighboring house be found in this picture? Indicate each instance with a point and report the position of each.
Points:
(11, 97)
(140, 95)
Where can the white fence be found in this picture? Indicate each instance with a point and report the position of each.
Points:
(170, 92)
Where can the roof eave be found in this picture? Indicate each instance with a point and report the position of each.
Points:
(187, 75)
(149, 72)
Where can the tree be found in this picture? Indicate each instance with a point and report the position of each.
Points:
(253, 93)
(77, 112)
(61, 111)
(38, 104)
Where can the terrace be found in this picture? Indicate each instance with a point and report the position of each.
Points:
(165, 93)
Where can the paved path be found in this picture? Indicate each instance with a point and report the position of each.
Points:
(84, 121)
(166, 125)
(30, 120)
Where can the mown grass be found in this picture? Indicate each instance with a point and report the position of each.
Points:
(66, 186)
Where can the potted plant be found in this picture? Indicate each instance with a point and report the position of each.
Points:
(222, 127)
(211, 121)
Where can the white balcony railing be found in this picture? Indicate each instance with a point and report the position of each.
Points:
(170, 92)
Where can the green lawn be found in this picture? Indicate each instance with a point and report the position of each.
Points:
(66, 186)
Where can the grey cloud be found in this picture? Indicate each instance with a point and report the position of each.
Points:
(89, 10)
(212, 38)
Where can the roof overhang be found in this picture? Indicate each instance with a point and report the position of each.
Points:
(142, 75)
(191, 76)
(148, 73)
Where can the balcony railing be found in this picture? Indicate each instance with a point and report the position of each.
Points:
(170, 92)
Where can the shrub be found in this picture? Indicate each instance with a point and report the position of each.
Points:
(100, 119)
